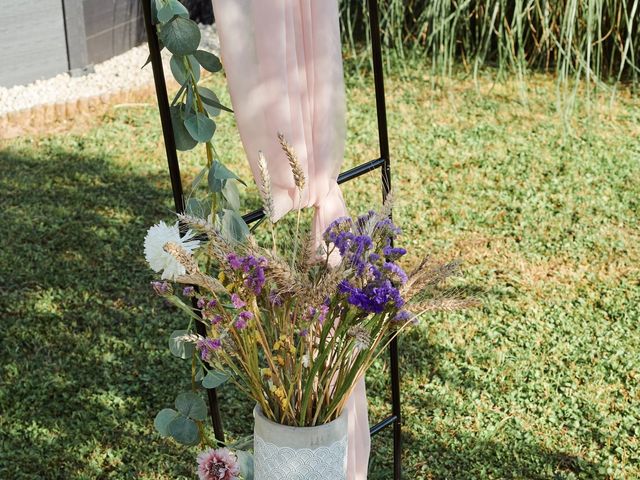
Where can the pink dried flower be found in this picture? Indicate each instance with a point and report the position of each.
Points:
(237, 301)
(218, 464)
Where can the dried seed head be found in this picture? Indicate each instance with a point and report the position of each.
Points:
(265, 186)
(427, 275)
(361, 336)
(204, 281)
(298, 175)
(189, 338)
(183, 257)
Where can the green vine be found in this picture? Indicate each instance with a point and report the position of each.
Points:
(193, 112)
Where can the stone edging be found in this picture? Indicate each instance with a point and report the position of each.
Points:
(40, 118)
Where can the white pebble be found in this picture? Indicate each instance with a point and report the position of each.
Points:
(122, 72)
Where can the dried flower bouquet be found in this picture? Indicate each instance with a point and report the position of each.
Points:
(295, 327)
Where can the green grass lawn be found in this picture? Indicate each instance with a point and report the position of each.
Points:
(541, 382)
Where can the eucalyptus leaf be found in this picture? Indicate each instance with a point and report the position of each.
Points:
(231, 194)
(155, 6)
(181, 36)
(184, 141)
(148, 61)
(171, 9)
(184, 430)
(189, 103)
(191, 405)
(208, 60)
(200, 127)
(163, 419)
(234, 228)
(198, 208)
(179, 71)
(207, 97)
(179, 348)
(214, 379)
(245, 462)
(223, 173)
(196, 181)
(218, 175)
(200, 374)
(210, 98)
(178, 95)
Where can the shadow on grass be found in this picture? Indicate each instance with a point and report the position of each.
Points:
(84, 368)
(84, 363)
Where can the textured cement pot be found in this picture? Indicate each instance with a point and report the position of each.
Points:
(299, 453)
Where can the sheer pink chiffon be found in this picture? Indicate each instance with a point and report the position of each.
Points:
(283, 61)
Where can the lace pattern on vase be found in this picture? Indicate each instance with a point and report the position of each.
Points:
(284, 463)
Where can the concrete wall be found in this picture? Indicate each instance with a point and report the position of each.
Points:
(32, 36)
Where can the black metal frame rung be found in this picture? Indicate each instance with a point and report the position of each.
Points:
(383, 162)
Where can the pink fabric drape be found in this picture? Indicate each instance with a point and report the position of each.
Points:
(283, 61)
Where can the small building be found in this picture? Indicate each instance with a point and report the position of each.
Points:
(43, 38)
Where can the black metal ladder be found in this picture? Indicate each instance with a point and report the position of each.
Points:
(383, 163)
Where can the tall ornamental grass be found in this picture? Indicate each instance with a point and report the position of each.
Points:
(593, 40)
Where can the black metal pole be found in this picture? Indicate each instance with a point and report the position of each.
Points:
(174, 170)
(383, 137)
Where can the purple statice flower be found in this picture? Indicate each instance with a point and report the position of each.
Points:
(339, 225)
(363, 220)
(201, 303)
(385, 230)
(323, 310)
(212, 303)
(385, 294)
(360, 245)
(402, 316)
(207, 346)
(375, 297)
(255, 280)
(253, 268)
(234, 261)
(397, 273)
(216, 319)
(161, 288)
(393, 253)
(218, 464)
(343, 242)
(373, 257)
(304, 332)
(188, 291)
(237, 301)
(356, 296)
(246, 315)
(240, 323)
(275, 298)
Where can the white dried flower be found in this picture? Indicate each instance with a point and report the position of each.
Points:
(162, 261)
(305, 360)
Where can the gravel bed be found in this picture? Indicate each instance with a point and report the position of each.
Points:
(122, 72)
